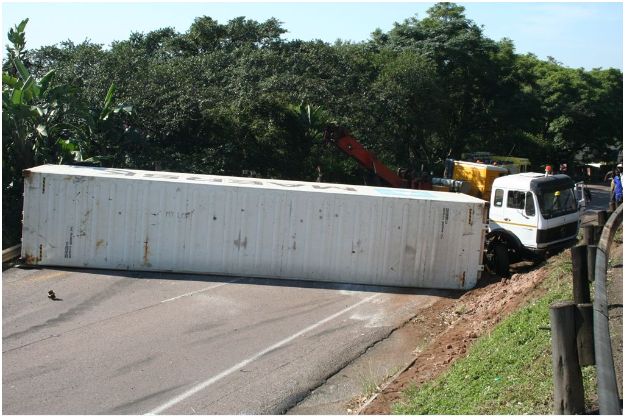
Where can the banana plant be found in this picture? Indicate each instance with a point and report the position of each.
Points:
(42, 122)
(27, 115)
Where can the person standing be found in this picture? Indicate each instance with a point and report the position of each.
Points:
(618, 187)
(319, 174)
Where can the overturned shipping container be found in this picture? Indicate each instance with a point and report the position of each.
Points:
(158, 221)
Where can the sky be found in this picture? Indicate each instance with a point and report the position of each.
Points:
(579, 34)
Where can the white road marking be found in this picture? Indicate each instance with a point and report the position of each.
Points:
(215, 286)
(203, 385)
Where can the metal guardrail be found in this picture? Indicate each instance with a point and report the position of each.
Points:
(607, 389)
(11, 253)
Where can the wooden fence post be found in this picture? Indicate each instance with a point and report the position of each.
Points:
(568, 396)
(588, 237)
(591, 252)
(585, 338)
(581, 286)
(598, 229)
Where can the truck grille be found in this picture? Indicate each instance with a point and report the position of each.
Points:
(557, 233)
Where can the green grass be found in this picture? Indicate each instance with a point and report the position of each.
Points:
(370, 381)
(507, 372)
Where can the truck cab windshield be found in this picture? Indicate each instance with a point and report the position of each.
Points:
(555, 203)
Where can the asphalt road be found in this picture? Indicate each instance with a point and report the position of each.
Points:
(600, 201)
(136, 343)
(600, 196)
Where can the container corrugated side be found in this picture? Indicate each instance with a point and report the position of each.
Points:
(156, 221)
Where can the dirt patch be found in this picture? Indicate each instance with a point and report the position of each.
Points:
(449, 327)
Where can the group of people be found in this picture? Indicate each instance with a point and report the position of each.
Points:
(616, 187)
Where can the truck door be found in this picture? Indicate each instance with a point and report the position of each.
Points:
(520, 215)
(515, 211)
(496, 209)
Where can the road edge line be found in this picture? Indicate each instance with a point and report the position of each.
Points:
(202, 385)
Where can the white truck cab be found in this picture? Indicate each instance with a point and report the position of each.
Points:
(530, 214)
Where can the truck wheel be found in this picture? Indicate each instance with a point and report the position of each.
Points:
(537, 259)
(502, 260)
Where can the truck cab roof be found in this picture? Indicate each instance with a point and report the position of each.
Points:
(536, 182)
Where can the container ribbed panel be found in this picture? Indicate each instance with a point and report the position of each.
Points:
(141, 220)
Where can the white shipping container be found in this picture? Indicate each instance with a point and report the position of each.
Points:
(159, 221)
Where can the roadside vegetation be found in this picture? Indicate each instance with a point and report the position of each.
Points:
(508, 371)
(236, 98)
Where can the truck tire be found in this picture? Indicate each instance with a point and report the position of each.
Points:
(537, 258)
(502, 259)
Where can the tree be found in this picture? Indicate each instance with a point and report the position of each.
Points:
(42, 122)
(413, 102)
(219, 98)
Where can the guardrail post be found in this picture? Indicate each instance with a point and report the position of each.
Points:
(591, 252)
(568, 396)
(581, 286)
(589, 235)
(592, 234)
(584, 336)
(598, 229)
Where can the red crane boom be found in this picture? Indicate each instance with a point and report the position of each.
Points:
(340, 137)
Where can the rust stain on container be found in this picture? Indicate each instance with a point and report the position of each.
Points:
(462, 278)
(99, 243)
(30, 259)
(146, 252)
(238, 243)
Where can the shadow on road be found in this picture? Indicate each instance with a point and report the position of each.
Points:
(303, 284)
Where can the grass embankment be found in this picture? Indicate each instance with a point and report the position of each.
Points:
(508, 371)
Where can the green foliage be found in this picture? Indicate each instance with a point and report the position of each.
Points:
(412, 127)
(426, 89)
(508, 372)
(232, 98)
(42, 122)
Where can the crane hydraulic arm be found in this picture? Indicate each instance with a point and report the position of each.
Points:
(340, 137)
(350, 146)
